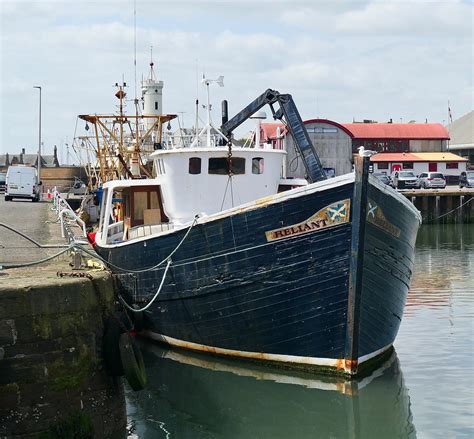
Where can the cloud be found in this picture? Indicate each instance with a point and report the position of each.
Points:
(417, 18)
(362, 60)
(381, 18)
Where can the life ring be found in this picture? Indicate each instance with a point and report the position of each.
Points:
(132, 362)
(114, 327)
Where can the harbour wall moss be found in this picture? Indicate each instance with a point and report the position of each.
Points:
(52, 377)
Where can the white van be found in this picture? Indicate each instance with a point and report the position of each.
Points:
(22, 182)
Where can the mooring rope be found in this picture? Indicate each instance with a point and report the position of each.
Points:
(124, 303)
(40, 261)
(144, 270)
(92, 254)
(451, 211)
(12, 229)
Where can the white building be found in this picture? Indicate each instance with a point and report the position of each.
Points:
(449, 164)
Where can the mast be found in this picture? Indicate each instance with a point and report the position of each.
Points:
(209, 126)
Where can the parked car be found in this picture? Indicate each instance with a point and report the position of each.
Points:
(382, 176)
(21, 182)
(466, 179)
(404, 180)
(3, 177)
(431, 180)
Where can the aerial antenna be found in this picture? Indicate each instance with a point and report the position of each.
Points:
(196, 128)
(209, 127)
(152, 72)
(135, 44)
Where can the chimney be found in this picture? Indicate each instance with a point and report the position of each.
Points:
(7, 160)
(21, 156)
(23, 150)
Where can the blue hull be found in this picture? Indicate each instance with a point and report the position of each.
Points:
(267, 283)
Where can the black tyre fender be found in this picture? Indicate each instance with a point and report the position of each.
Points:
(132, 361)
(114, 327)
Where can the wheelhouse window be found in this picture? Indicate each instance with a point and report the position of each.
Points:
(407, 165)
(102, 209)
(143, 205)
(452, 165)
(220, 166)
(257, 165)
(194, 165)
(382, 165)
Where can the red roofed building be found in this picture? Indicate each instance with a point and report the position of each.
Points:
(398, 137)
(336, 143)
(273, 133)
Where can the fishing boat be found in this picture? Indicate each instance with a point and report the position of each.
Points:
(220, 252)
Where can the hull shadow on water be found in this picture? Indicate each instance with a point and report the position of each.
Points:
(191, 395)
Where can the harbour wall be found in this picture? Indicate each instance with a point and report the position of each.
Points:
(444, 206)
(52, 378)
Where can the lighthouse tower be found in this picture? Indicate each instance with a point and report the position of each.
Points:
(152, 95)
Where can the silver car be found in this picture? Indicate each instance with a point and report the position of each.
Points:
(431, 180)
(404, 180)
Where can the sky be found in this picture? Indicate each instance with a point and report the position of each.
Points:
(341, 60)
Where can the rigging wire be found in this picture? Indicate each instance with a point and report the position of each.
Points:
(135, 45)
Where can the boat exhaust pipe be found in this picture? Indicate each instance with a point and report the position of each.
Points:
(225, 112)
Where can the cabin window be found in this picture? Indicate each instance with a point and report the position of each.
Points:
(219, 165)
(103, 208)
(382, 165)
(140, 200)
(194, 165)
(238, 165)
(154, 202)
(407, 165)
(452, 165)
(257, 165)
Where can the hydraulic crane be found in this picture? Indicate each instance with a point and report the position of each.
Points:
(292, 119)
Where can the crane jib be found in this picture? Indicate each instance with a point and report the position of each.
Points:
(294, 123)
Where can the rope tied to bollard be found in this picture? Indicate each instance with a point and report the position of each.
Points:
(451, 211)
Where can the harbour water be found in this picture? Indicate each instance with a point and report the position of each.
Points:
(424, 390)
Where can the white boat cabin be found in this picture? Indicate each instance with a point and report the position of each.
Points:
(188, 182)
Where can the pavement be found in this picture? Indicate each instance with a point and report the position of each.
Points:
(39, 222)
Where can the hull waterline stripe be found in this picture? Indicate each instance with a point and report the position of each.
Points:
(313, 361)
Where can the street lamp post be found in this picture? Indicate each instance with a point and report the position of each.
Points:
(39, 135)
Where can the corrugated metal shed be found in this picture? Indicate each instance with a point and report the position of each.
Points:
(410, 131)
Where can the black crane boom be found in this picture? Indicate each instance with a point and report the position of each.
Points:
(293, 121)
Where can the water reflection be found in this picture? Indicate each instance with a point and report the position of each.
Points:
(197, 396)
(445, 236)
(443, 262)
(435, 342)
